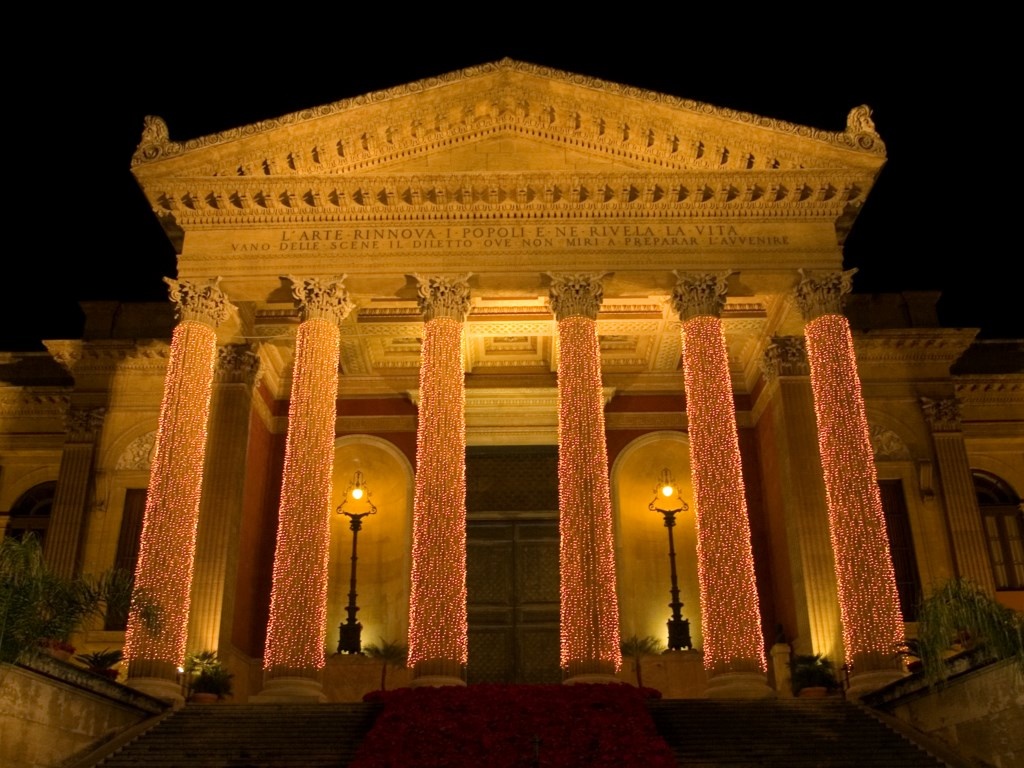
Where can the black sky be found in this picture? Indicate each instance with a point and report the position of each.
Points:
(929, 223)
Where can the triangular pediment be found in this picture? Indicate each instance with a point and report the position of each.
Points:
(566, 118)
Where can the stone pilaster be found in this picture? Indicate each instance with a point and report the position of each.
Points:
(804, 507)
(238, 369)
(437, 603)
(963, 517)
(163, 575)
(74, 481)
(734, 653)
(589, 604)
(294, 653)
(868, 601)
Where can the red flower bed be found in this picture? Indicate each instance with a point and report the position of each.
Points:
(513, 726)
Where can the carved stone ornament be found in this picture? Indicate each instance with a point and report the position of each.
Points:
(942, 415)
(138, 454)
(699, 293)
(886, 444)
(155, 138)
(439, 296)
(324, 299)
(786, 356)
(202, 303)
(83, 424)
(821, 292)
(237, 363)
(861, 127)
(576, 295)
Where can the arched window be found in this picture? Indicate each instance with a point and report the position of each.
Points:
(31, 512)
(1003, 522)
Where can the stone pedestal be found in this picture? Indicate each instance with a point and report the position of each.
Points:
(290, 690)
(739, 685)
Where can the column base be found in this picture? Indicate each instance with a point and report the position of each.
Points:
(870, 681)
(590, 678)
(739, 685)
(290, 690)
(436, 681)
(158, 688)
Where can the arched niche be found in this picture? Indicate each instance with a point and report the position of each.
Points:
(384, 548)
(641, 539)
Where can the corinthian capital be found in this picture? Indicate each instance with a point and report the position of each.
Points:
(786, 356)
(699, 293)
(237, 364)
(324, 299)
(821, 292)
(576, 295)
(83, 424)
(204, 303)
(942, 415)
(439, 296)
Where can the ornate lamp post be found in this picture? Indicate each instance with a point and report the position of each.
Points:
(678, 627)
(350, 629)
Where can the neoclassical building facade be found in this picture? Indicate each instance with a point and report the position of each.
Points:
(504, 304)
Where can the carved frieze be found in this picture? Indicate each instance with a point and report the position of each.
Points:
(821, 292)
(443, 296)
(699, 293)
(576, 295)
(324, 299)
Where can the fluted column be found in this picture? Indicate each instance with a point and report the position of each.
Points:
(437, 602)
(734, 653)
(963, 517)
(238, 369)
(868, 601)
(74, 478)
(294, 653)
(163, 576)
(818, 627)
(589, 604)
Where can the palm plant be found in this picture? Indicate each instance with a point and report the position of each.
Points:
(635, 648)
(388, 653)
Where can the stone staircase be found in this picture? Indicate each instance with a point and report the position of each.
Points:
(788, 733)
(249, 736)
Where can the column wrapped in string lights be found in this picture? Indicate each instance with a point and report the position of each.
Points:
(730, 611)
(163, 575)
(297, 626)
(868, 601)
(437, 602)
(589, 604)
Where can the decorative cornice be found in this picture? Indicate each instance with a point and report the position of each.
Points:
(26, 402)
(942, 415)
(699, 293)
(201, 303)
(785, 356)
(644, 124)
(443, 296)
(821, 292)
(202, 201)
(576, 295)
(912, 345)
(81, 358)
(324, 299)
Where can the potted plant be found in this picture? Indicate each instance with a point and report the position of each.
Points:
(635, 648)
(388, 654)
(210, 680)
(812, 675)
(102, 663)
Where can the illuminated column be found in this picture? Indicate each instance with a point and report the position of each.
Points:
(73, 483)
(238, 370)
(296, 631)
(163, 575)
(818, 627)
(868, 601)
(734, 654)
(437, 602)
(589, 604)
(963, 518)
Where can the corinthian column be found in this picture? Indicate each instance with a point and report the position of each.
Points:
(437, 602)
(163, 576)
(868, 600)
(589, 605)
(963, 518)
(730, 612)
(294, 653)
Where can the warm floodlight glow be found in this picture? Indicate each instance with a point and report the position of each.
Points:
(733, 640)
(868, 600)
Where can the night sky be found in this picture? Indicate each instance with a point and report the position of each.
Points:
(931, 222)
